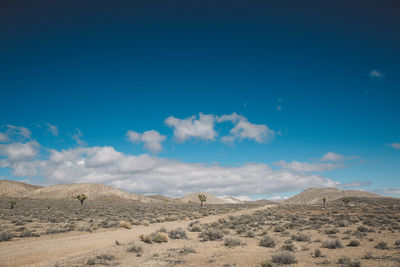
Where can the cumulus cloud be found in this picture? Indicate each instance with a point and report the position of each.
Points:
(155, 175)
(395, 145)
(376, 74)
(243, 129)
(19, 157)
(19, 151)
(52, 129)
(193, 127)
(306, 166)
(152, 140)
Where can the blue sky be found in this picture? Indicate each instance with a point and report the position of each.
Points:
(303, 80)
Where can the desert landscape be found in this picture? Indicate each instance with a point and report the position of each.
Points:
(48, 226)
(221, 133)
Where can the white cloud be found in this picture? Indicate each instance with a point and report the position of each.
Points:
(19, 151)
(52, 129)
(388, 191)
(19, 157)
(356, 184)
(152, 140)
(155, 175)
(243, 129)
(4, 137)
(78, 138)
(331, 156)
(201, 128)
(297, 166)
(376, 74)
(18, 131)
(395, 145)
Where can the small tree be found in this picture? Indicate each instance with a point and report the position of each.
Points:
(324, 200)
(346, 201)
(81, 198)
(202, 199)
(12, 204)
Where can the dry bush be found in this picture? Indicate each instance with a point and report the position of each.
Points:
(232, 242)
(332, 244)
(125, 224)
(283, 257)
(177, 234)
(267, 242)
(211, 235)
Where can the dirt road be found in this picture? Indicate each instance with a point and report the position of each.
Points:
(44, 250)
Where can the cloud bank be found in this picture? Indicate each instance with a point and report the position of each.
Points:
(147, 174)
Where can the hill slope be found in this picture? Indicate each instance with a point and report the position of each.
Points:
(15, 189)
(315, 195)
(92, 191)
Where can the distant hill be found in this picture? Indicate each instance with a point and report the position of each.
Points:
(262, 202)
(211, 199)
(315, 195)
(92, 191)
(15, 189)
(163, 199)
(233, 200)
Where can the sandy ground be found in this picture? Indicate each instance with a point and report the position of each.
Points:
(49, 249)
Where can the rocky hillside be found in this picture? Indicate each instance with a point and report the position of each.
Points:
(15, 189)
(315, 195)
(92, 191)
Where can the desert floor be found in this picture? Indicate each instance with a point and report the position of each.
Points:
(298, 235)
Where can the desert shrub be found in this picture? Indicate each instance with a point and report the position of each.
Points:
(381, 245)
(363, 229)
(196, 228)
(232, 242)
(278, 229)
(125, 224)
(283, 257)
(332, 244)
(397, 243)
(288, 247)
(354, 243)
(186, 250)
(177, 234)
(347, 262)
(301, 237)
(250, 234)
(133, 248)
(331, 231)
(211, 235)
(317, 253)
(103, 259)
(5, 236)
(160, 238)
(267, 242)
(266, 263)
(146, 238)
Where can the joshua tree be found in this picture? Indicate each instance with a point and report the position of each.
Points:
(346, 201)
(202, 199)
(81, 198)
(12, 204)
(324, 200)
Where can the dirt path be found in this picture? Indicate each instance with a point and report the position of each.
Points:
(44, 250)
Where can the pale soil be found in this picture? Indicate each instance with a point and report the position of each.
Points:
(41, 251)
